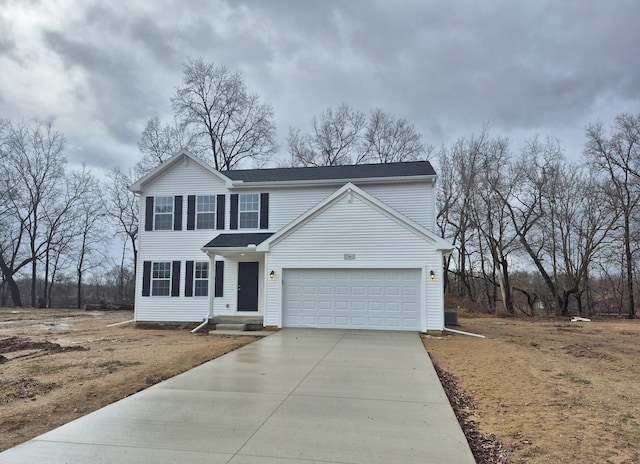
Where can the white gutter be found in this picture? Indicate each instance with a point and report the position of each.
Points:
(206, 321)
(121, 323)
(464, 333)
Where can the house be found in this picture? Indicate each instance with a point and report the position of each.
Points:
(334, 247)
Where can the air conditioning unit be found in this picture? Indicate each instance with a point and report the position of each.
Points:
(450, 317)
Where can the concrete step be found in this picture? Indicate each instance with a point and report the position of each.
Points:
(229, 326)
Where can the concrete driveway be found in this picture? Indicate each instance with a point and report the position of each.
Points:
(299, 396)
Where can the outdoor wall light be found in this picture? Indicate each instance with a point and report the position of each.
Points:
(432, 275)
(272, 275)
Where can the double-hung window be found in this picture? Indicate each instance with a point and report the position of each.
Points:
(161, 279)
(206, 212)
(249, 211)
(163, 213)
(201, 278)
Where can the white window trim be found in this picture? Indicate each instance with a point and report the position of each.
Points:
(215, 212)
(240, 211)
(156, 214)
(196, 279)
(154, 279)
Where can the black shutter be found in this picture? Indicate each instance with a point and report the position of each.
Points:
(188, 279)
(219, 282)
(264, 210)
(177, 213)
(234, 212)
(146, 278)
(220, 212)
(175, 279)
(148, 214)
(191, 212)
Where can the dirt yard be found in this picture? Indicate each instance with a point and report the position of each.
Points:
(531, 392)
(58, 365)
(552, 391)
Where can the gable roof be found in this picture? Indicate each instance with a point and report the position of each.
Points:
(351, 189)
(182, 156)
(321, 174)
(345, 173)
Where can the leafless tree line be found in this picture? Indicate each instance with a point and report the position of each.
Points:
(53, 221)
(573, 227)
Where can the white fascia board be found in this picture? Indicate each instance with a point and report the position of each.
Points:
(439, 243)
(184, 156)
(239, 184)
(223, 251)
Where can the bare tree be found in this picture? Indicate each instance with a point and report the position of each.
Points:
(460, 171)
(495, 232)
(336, 139)
(160, 142)
(36, 163)
(475, 178)
(214, 103)
(617, 155)
(536, 174)
(88, 230)
(122, 206)
(345, 136)
(578, 221)
(12, 231)
(389, 139)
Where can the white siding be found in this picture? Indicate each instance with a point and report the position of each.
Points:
(285, 205)
(414, 200)
(354, 227)
(189, 179)
(183, 245)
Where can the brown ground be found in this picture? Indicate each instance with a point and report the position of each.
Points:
(532, 392)
(58, 365)
(552, 391)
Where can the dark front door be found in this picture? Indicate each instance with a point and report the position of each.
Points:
(248, 286)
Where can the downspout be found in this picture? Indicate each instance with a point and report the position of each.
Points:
(464, 333)
(121, 323)
(204, 323)
(212, 279)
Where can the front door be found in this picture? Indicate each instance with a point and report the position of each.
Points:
(248, 286)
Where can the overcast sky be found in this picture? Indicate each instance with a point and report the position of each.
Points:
(100, 69)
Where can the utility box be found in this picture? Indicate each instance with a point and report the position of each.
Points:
(450, 317)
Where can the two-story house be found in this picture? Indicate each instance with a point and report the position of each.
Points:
(334, 247)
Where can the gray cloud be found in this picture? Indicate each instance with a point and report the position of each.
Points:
(540, 67)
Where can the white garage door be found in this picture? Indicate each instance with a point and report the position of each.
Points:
(384, 299)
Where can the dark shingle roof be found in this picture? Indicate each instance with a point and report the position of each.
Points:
(239, 240)
(359, 171)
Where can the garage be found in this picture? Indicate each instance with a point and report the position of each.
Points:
(382, 299)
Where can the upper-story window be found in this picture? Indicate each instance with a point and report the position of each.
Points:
(249, 210)
(206, 212)
(163, 213)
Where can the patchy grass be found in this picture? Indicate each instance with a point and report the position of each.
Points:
(23, 387)
(39, 369)
(114, 366)
(573, 378)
